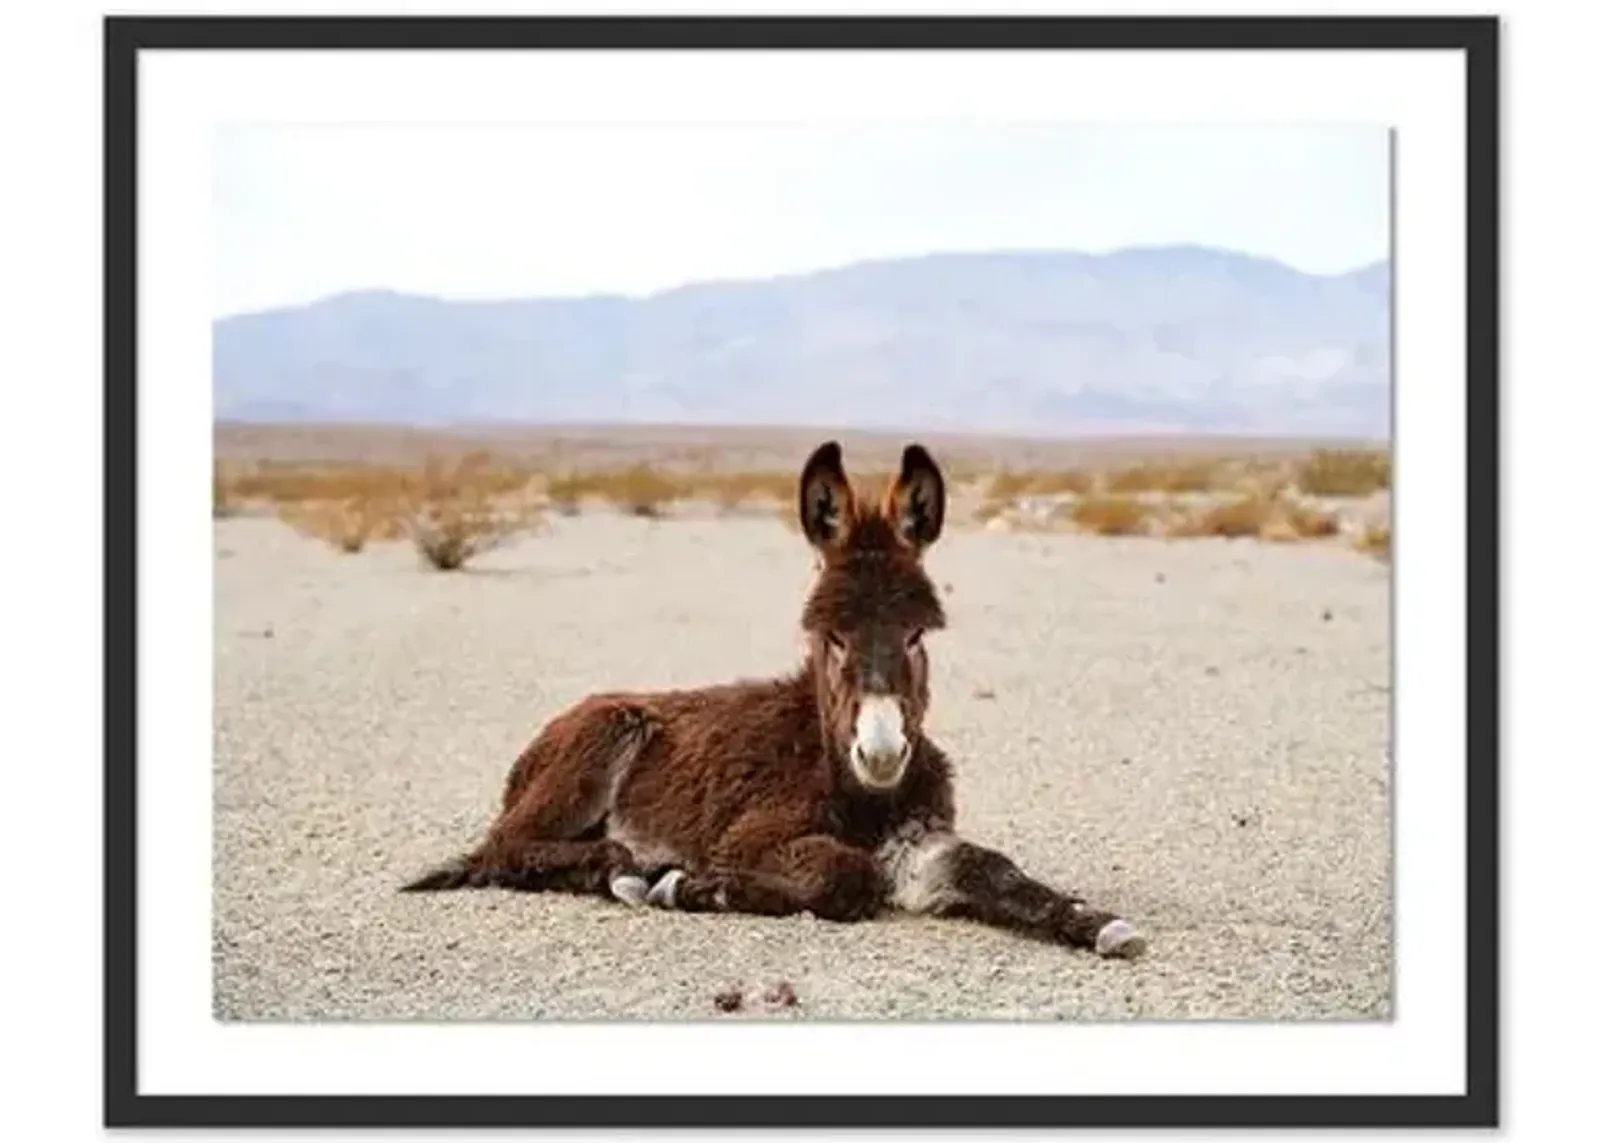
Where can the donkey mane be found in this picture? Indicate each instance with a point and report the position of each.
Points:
(816, 790)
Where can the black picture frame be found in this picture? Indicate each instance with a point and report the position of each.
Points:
(1478, 37)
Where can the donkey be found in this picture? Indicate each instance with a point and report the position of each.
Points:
(817, 791)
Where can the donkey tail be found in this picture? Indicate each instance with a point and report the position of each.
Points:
(454, 874)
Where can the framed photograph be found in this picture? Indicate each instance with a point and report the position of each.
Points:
(801, 571)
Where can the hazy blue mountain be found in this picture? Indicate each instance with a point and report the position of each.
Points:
(1183, 338)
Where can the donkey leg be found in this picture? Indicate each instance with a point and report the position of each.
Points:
(535, 866)
(936, 872)
(562, 784)
(816, 874)
(552, 866)
(560, 788)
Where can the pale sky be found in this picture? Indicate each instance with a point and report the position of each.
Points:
(545, 210)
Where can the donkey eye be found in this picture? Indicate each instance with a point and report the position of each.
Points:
(914, 640)
(836, 644)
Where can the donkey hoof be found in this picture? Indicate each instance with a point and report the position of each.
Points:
(630, 890)
(1118, 939)
(665, 892)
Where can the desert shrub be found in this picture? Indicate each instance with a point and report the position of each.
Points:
(640, 490)
(297, 483)
(490, 475)
(566, 492)
(1068, 480)
(454, 512)
(728, 490)
(1310, 522)
(345, 525)
(1288, 521)
(303, 483)
(1344, 472)
(1202, 475)
(1106, 515)
(1008, 484)
(1235, 517)
(449, 533)
(225, 501)
(1374, 540)
(724, 490)
(387, 520)
(1264, 482)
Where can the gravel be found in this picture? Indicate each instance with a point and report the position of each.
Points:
(1194, 734)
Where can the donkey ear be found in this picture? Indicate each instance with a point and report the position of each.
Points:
(915, 501)
(827, 503)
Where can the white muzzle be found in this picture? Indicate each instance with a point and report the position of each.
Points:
(880, 750)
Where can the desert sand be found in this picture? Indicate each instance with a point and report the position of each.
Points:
(1194, 734)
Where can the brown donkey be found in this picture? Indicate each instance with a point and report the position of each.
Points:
(816, 791)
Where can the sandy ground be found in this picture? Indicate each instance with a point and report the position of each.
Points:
(1194, 734)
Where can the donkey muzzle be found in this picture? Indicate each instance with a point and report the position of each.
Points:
(880, 750)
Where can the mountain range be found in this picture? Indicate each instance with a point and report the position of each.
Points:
(1165, 339)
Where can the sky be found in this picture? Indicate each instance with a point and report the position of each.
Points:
(496, 211)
